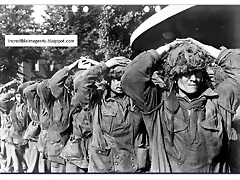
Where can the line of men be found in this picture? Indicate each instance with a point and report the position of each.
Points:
(49, 125)
(119, 116)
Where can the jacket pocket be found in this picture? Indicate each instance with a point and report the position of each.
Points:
(110, 112)
(211, 124)
(177, 150)
(212, 131)
(178, 124)
(104, 152)
(72, 150)
(55, 145)
(100, 160)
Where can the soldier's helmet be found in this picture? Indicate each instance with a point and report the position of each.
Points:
(182, 58)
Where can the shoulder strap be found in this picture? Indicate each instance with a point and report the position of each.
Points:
(158, 107)
(225, 108)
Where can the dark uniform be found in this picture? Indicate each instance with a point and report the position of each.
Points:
(33, 130)
(117, 127)
(6, 105)
(20, 121)
(60, 126)
(202, 127)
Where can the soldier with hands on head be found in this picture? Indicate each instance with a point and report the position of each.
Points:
(189, 123)
(118, 142)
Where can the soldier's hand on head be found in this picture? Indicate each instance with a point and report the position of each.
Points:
(214, 52)
(166, 48)
(117, 61)
(89, 61)
(193, 41)
(85, 63)
(73, 65)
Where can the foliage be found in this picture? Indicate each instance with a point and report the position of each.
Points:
(15, 20)
(61, 20)
(103, 32)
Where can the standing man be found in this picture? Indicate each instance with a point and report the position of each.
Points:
(20, 120)
(76, 150)
(32, 133)
(189, 124)
(6, 104)
(118, 138)
(57, 105)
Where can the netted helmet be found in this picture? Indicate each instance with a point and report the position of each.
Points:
(185, 57)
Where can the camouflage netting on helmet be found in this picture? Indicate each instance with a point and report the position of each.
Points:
(185, 57)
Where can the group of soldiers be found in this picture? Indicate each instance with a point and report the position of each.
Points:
(167, 110)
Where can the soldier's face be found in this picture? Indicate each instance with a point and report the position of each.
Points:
(116, 86)
(190, 82)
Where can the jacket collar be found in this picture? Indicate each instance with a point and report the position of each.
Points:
(209, 93)
(108, 95)
(172, 101)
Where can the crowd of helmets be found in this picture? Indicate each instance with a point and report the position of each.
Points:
(44, 128)
(124, 116)
(23, 132)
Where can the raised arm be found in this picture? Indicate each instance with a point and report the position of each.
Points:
(229, 67)
(229, 88)
(30, 94)
(137, 80)
(56, 83)
(87, 87)
(6, 102)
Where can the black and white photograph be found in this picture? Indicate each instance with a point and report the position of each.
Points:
(119, 88)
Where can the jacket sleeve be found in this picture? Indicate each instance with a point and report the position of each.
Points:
(6, 97)
(30, 93)
(137, 80)
(229, 89)
(56, 83)
(86, 89)
(229, 63)
(6, 103)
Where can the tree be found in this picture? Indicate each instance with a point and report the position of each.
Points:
(103, 32)
(117, 24)
(15, 20)
(60, 20)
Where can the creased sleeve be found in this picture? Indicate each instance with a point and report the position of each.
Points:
(6, 103)
(86, 89)
(137, 80)
(56, 83)
(30, 93)
(229, 88)
(229, 63)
